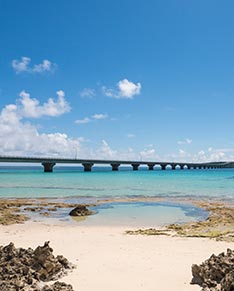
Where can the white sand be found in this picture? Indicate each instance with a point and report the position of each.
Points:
(107, 259)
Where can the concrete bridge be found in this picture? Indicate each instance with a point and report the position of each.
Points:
(49, 163)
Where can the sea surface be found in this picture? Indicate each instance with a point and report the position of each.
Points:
(72, 183)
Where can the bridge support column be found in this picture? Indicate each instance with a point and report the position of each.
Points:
(135, 167)
(163, 167)
(48, 167)
(199, 167)
(188, 167)
(181, 167)
(87, 167)
(115, 167)
(151, 166)
(173, 167)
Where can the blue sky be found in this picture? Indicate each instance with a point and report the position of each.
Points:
(117, 79)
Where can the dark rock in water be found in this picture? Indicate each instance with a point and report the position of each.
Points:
(23, 269)
(216, 273)
(81, 210)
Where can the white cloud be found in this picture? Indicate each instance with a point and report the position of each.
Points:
(18, 137)
(30, 107)
(83, 121)
(128, 89)
(99, 116)
(109, 92)
(148, 154)
(105, 151)
(96, 116)
(125, 90)
(202, 156)
(45, 66)
(183, 154)
(131, 135)
(186, 141)
(23, 65)
(87, 93)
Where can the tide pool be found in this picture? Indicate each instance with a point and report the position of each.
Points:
(142, 214)
(131, 214)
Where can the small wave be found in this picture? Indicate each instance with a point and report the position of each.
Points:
(51, 187)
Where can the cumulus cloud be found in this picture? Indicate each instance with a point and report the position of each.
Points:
(87, 93)
(201, 156)
(31, 108)
(183, 154)
(125, 90)
(20, 137)
(45, 66)
(148, 154)
(96, 116)
(99, 116)
(106, 152)
(128, 89)
(23, 65)
(83, 121)
(185, 141)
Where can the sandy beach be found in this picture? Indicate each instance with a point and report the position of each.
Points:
(108, 259)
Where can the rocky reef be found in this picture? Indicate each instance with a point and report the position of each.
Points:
(28, 269)
(15, 211)
(219, 224)
(216, 273)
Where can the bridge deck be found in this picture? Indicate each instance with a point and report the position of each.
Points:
(49, 163)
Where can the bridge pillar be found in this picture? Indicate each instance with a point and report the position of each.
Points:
(188, 167)
(151, 166)
(181, 167)
(163, 167)
(115, 167)
(48, 167)
(173, 167)
(135, 167)
(194, 167)
(87, 167)
(199, 167)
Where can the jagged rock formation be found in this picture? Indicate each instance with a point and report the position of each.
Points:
(23, 269)
(216, 273)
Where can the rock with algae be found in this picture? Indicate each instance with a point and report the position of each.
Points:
(81, 210)
(148, 231)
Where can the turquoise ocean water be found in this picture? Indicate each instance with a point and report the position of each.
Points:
(101, 182)
(72, 183)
